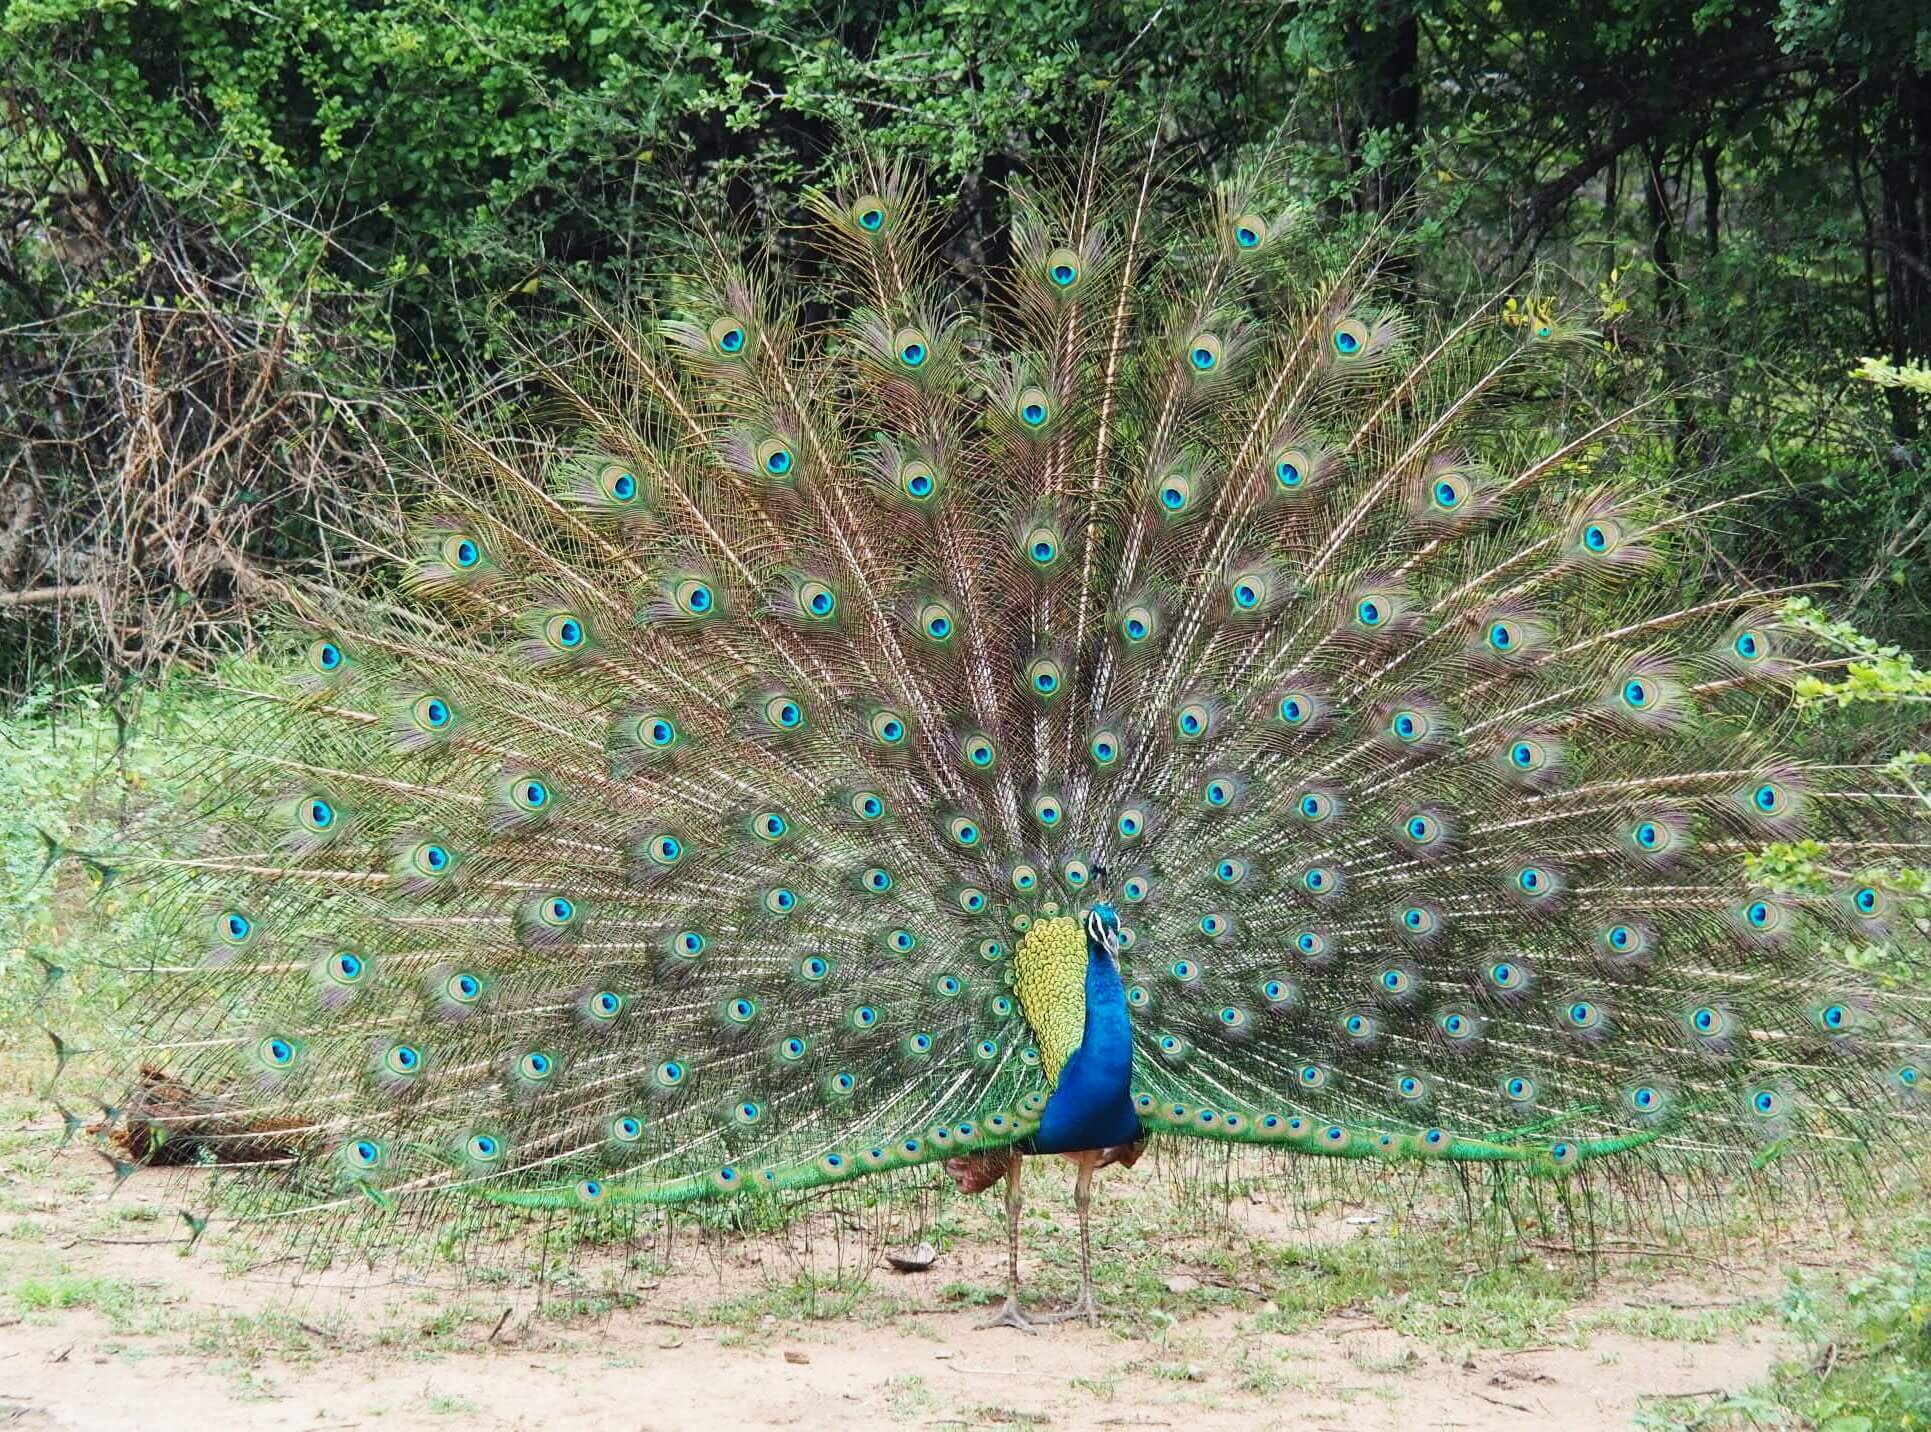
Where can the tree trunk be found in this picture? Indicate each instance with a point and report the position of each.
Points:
(1903, 158)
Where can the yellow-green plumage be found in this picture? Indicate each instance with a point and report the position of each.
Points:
(1049, 977)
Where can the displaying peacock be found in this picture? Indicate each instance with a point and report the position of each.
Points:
(873, 714)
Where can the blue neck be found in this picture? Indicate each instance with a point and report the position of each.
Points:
(1092, 1107)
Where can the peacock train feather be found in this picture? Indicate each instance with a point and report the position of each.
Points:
(736, 787)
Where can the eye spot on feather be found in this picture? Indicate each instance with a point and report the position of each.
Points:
(276, 1052)
(784, 713)
(728, 338)
(919, 481)
(1349, 337)
(694, 597)
(1409, 727)
(1034, 408)
(1448, 493)
(1045, 677)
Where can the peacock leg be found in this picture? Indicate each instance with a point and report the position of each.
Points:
(1086, 1305)
(1009, 1315)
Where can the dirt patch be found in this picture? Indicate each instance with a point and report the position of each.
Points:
(111, 1326)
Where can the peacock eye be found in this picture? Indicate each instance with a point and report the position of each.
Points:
(1062, 268)
(1250, 591)
(728, 337)
(1138, 623)
(774, 458)
(918, 480)
(431, 713)
(694, 597)
(461, 552)
(564, 631)
(1249, 232)
(1350, 337)
(1045, 676)
(817, 600)
(784, 713)
(912, 348)
(936, 621)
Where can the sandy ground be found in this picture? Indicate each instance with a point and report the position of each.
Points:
(401, 1353)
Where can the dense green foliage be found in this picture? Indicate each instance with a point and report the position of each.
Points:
(236, 226)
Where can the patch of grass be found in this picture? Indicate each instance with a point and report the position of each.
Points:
(248, 1340)
(908, 1399)
(1662, 1323)
(127, 1307)
(445, 1404)
(803, 1298)
(1871, 1366)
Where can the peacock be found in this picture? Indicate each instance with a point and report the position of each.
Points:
(880, 708)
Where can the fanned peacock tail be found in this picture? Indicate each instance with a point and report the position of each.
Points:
(748, 703)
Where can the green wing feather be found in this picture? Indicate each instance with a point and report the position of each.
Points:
(671, 831)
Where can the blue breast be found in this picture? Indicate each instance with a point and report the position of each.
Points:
(1092, 1107)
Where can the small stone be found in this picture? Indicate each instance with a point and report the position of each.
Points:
(914, 1260)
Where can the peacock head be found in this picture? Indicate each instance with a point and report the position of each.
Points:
(1103, 931)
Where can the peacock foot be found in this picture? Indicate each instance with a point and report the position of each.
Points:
(1084, 1306)
(1009, 1316)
